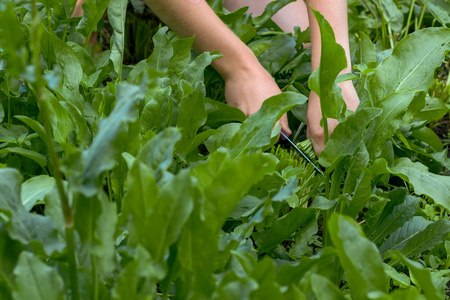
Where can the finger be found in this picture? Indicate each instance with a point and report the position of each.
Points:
(285, 125)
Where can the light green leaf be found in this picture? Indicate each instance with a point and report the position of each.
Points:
(424, 182)
(358, 256)
(367, 54)
(158, 152)
(33, 124)
(162, 51)
(35, 189)
(101, 155)
(194, 72)
(410, 67)
(117, 10)
(347, 136)
(256, 131)
(440, 9)
(181, 55)
(222, 137)
(398, 239)
(191, 115)
(64, 56)
(59, 117)
(392, 15)
(322, 80)
(157, 112)
(36, 280)
(428, 136)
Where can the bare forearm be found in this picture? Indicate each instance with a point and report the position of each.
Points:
(194, 17)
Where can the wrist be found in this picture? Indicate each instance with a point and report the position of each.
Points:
(240, 63)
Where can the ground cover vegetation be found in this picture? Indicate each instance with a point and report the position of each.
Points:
(137, 181)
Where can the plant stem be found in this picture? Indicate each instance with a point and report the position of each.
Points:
(94, 277)
(422, 14)
(49, 25)
(68, 217)
(9, 99)
(411, 9)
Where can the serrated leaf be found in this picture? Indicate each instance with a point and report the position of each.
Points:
(36, 280)
(358, 256)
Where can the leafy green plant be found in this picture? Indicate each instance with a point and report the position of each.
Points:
(140, 182)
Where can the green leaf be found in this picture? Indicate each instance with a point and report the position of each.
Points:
(423, 276)
(275, 57)
(157, 112)
(283, 228)
(271, 9)
(347, 136)
(391, 13)
(358, 256)
(191, 115)
(222, 137)
(35, 189)
(93, 11)
(197, 247)
(322, 80)
(399, 209)
(59, 117)
(434, 234)
(410, 67)
(194, 72)
(434, 110)
(367, 52)
(256, 131)
(65, 57)
(428, 136)
(36, 280)
(101, 155)
(181, 55)
(220, 113)
(37, 157)
(440, 10)
(387, 123)
(162, 51)
(398, 239)
(325, 289)
(136, 279)
(158, 152)
(219, 173)
(424, 182)
(117, 10)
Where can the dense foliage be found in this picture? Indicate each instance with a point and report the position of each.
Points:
(139, 182)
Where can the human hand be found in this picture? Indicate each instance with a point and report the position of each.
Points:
(314, 115)
(247, 90)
